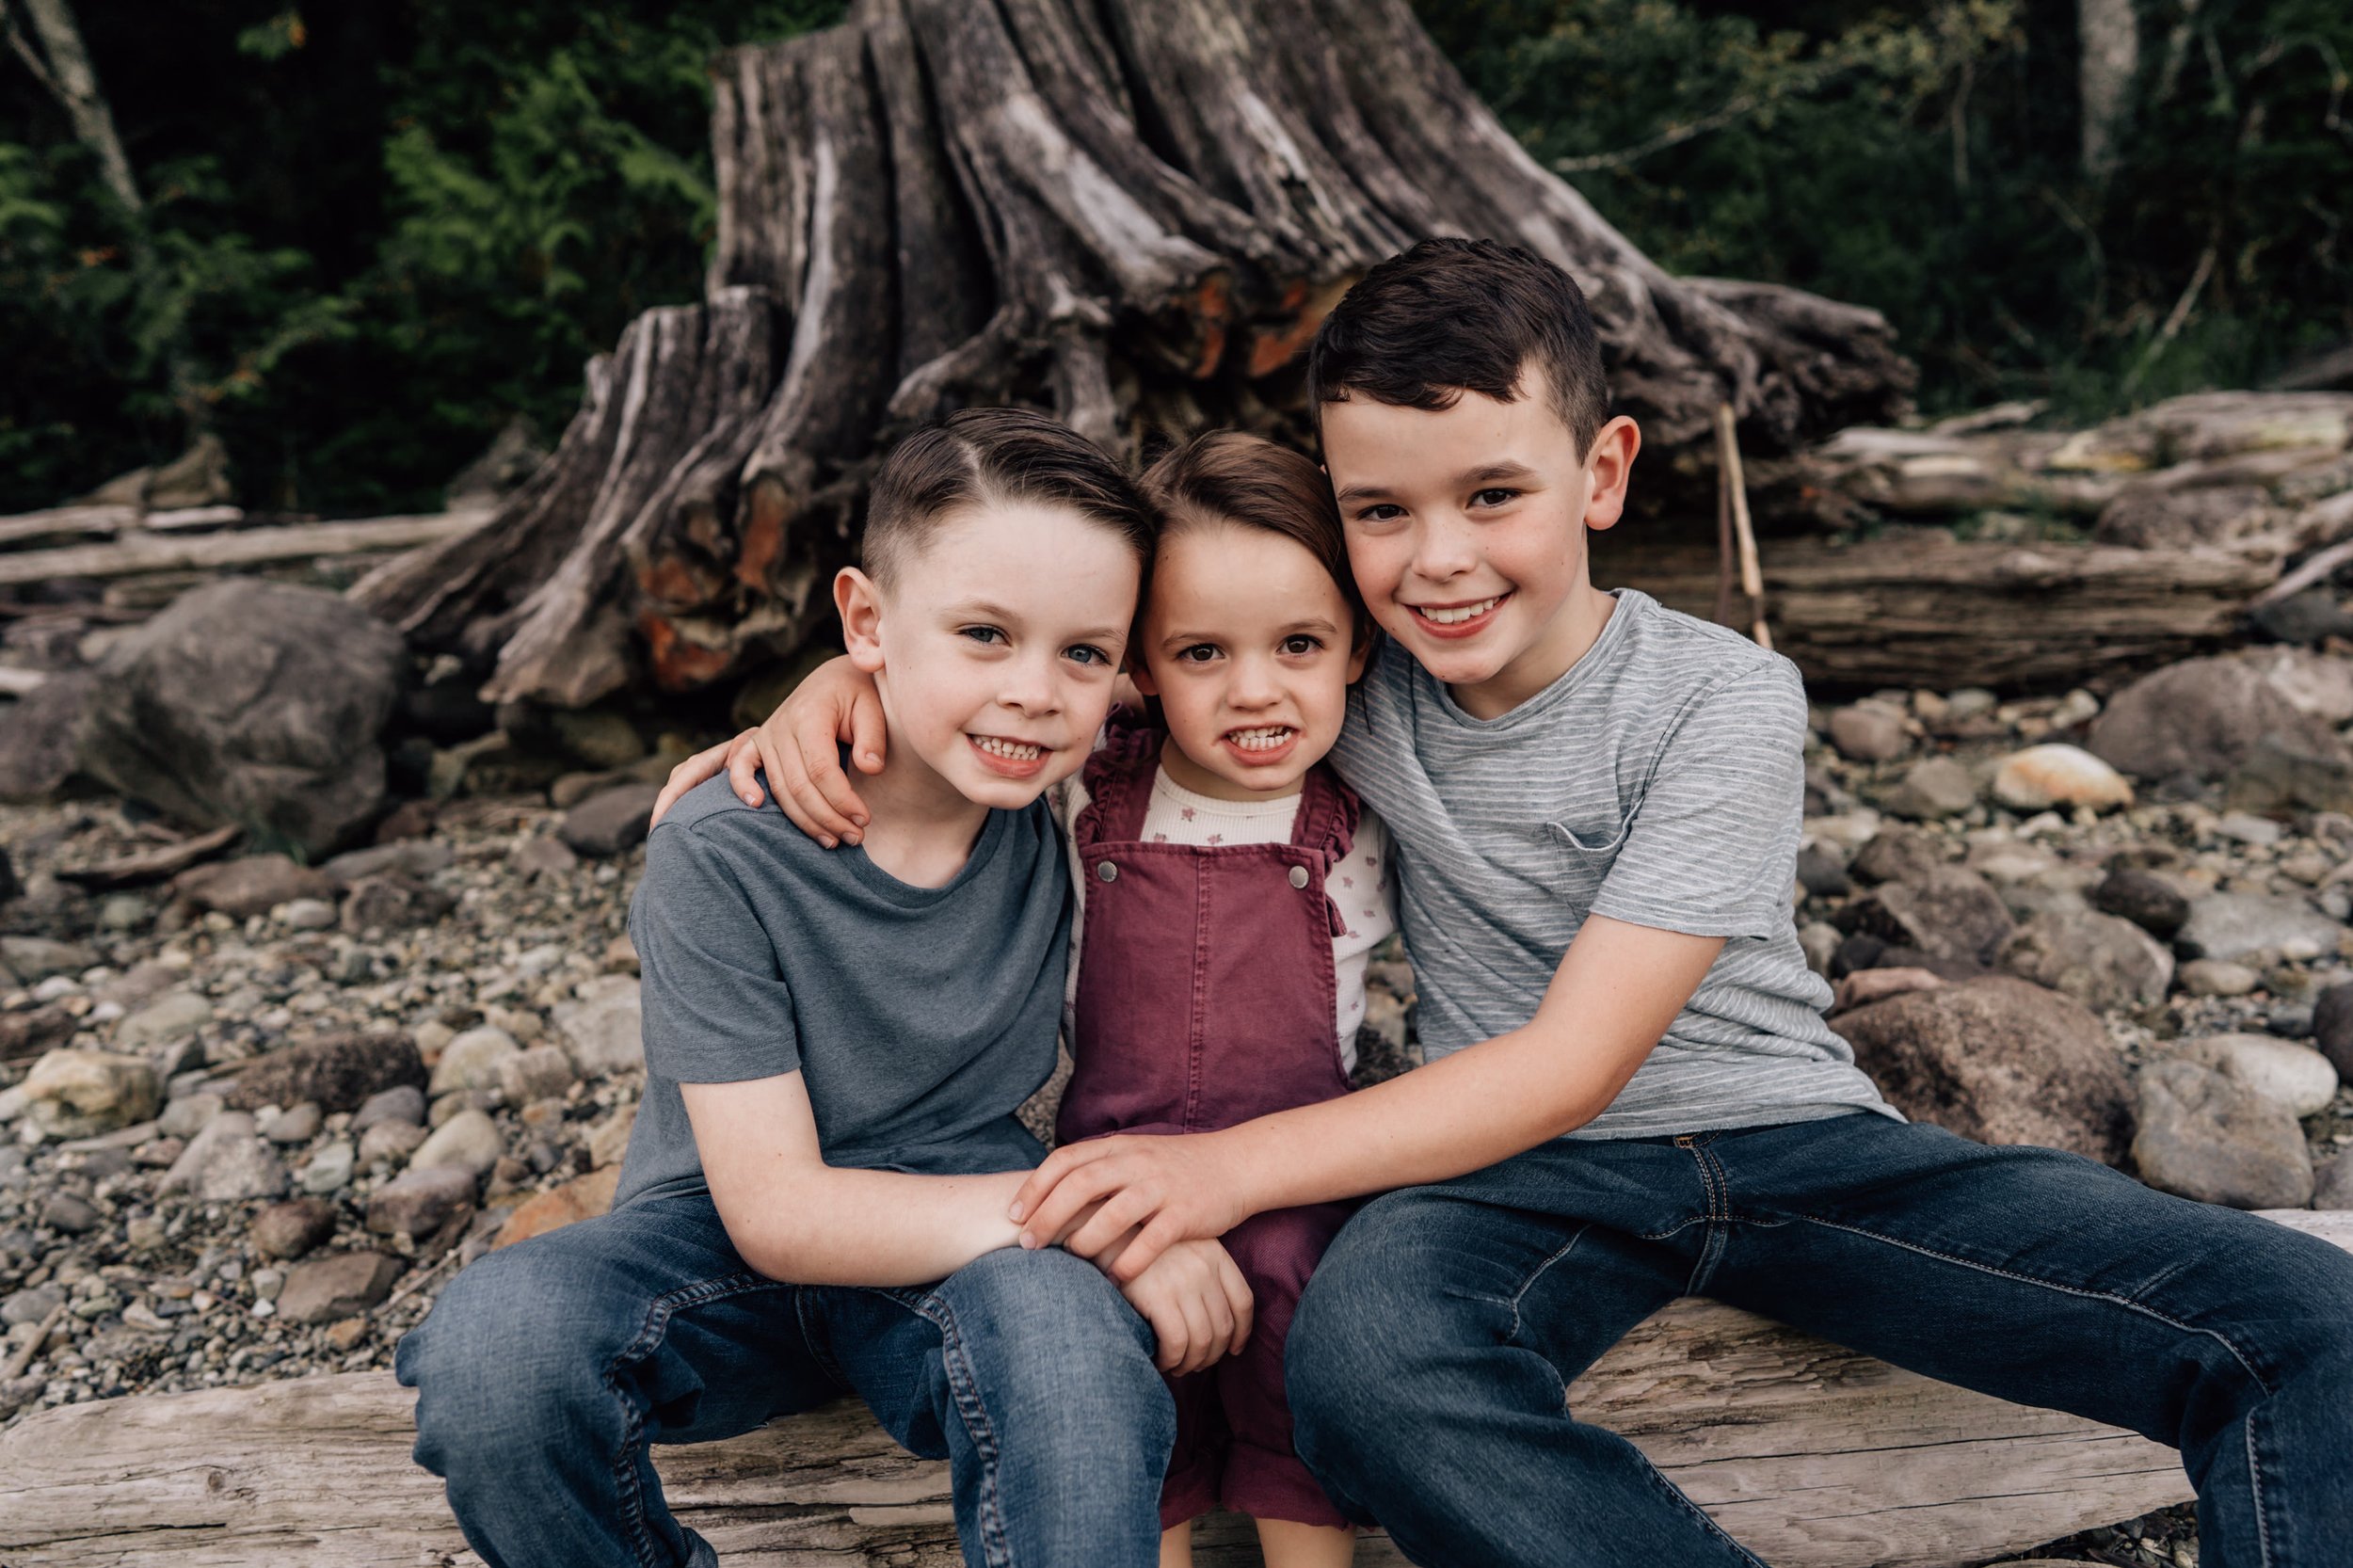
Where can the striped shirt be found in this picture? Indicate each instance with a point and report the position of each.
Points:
(1661, 782)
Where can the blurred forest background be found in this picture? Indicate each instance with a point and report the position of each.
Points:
(372, 234)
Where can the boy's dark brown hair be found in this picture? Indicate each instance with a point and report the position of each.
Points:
(1231, 477)
(1455, 315)
(982, 456)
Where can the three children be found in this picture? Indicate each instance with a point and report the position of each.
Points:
(1594, 805)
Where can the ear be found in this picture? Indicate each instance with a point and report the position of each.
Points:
(858, 600)
(1610, 464)
(1361, 654)
(1140, 673)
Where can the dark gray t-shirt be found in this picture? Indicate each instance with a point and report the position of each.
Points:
(1661, 782)
(919, 1017)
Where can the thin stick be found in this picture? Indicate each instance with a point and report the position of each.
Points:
(31, 1348)
(1751, 574)
(2313, 569)
(1723, 547)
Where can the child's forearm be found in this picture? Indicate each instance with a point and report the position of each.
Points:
(1460, 1113)
(838, 1226)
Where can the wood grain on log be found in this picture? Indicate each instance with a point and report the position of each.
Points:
(1133, 213)
(1925, 609)
(1814, 1457)
(134, 554)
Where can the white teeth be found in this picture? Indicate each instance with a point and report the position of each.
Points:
(1013, 751)
(1460, 612)
(1260, 740)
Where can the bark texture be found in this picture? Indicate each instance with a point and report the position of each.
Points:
(1132, 213)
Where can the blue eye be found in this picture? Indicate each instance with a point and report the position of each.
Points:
(983, 634)
(1087, 653)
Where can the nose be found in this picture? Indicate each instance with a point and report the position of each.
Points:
(1443, 548)
(1029, 685)
(1253, 682)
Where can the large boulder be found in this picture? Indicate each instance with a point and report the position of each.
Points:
(1952, 913)
(41, 735)
(2238, 925)
(254, 702)
(2000, 1061)
(2205, 719)
(2100, 960)
(2209, 1137)
(338, 1072)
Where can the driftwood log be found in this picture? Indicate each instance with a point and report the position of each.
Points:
(1132, 213)
(1813, 1456)
(132, 552)
(1923, 609)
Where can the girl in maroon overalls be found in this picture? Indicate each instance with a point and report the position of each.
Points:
(1230, 889)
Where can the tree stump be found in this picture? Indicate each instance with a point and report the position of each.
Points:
(1133, 213)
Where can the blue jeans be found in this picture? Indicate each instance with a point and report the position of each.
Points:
(546, 1369)
(1430, 1353)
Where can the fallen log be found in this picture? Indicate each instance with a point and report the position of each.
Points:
(1925, 609)
(27, 529)
(1814, 1457)
(135, 552)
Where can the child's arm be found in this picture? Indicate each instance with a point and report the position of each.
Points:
(1618, 988)
(795, 1218)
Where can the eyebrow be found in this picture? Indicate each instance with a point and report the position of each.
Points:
(1315, 623)
(1486, 473)
(982, 609)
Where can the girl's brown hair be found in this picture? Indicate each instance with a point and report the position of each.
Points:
(1232, 476)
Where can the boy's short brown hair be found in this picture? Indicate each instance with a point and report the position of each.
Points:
(1456, 315)
(980, 456)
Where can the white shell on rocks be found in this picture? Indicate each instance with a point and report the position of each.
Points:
(2296, 1075)
(2046, 775)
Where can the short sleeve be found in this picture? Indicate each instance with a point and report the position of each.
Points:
(716, 1009)
(1711, 850)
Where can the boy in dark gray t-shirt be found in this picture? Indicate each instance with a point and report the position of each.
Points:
(920, 1018)
(814, 1200)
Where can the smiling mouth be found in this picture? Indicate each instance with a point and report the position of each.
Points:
(1010, 751)
(1456, 615)
(1261, 738)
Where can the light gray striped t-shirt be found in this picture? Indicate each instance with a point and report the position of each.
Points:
(1661, 782)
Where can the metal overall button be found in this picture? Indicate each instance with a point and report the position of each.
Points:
(1299, 876)
(1108, 871)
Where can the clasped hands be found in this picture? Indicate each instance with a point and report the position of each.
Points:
(1148, 1211)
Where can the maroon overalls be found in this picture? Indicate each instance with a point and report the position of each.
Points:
(1206, 997)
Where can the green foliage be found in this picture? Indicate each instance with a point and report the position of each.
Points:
(1923, 159)
(379, 231)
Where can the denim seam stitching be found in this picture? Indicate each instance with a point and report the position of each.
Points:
(1529, 1284)
(658, 1314)
(1718, 1213)
(2255, 1490)
(2126, 1301)
(965, 1384)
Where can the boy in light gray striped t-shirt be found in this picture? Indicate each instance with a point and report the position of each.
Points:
(1594, 806)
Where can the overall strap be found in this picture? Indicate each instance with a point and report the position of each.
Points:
(1328, 812)
(1118, 778)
